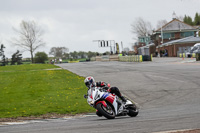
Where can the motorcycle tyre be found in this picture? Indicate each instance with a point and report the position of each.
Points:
(133, 111)
(103, 112)
(98, 114)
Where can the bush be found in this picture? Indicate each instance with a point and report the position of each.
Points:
(197, 56)
(40, 57)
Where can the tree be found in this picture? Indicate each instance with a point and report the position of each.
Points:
(126, 50)
(1, 50)
(180, 18)
(161, 23)
(58, 51)
(140, 27)
(30, 37)
(2, 54)
(16, 57)
(41, 57)
(74, 54)
(91, 54)
(82, 54)
(197, 19)
(66, 55)
(188, 20)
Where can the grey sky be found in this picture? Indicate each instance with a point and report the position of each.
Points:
(76, 23)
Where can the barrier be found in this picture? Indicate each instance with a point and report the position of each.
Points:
(105, 58)
(73, 61)
(183, 55)
(146, 58)
(133, 58)
(193, 55)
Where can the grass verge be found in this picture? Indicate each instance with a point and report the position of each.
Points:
(32, 90)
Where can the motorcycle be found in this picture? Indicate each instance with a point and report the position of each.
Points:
(108, 104)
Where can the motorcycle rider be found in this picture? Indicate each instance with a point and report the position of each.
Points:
(90, 82)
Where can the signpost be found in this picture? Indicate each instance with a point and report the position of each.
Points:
(108, 43)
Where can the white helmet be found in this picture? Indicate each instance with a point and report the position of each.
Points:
(89, 81)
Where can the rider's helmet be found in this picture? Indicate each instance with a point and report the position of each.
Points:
(89, 81)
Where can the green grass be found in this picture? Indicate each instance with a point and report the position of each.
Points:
(30, 90)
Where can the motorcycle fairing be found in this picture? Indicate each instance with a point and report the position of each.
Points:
(109, 97)
(103, 102)
(112, 99)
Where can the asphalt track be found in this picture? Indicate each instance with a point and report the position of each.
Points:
(167, 91)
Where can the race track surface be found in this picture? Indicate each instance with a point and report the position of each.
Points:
(167, 91)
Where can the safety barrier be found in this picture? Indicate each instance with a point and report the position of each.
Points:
(182, 55)
(133, 58)
(193, 55)
(73, 61)
(146, 58)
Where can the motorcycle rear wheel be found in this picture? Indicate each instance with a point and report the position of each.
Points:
(107, 112)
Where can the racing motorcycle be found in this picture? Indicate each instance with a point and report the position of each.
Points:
(108, 104)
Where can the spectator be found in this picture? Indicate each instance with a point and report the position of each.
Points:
(60, 60)
(52, 61)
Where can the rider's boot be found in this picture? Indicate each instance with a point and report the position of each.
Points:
(123, 99)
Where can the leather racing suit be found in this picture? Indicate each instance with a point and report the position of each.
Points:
(112, 90)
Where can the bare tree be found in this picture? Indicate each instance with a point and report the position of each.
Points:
(180, 18)
(30, 37)
(58, 51)
(126, 49)
(140, 27)
(161, 23)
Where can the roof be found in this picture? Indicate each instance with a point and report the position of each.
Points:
(197, 26)
(190, 39)
(175, 25)
(144, 37)
(147, 46)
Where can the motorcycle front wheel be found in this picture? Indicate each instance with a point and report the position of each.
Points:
(107, 112)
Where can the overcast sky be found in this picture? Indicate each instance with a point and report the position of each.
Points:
(76, 23)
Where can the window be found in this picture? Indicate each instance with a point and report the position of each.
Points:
(168, 35)
(142, 40)
(172, 35)
(186, 34)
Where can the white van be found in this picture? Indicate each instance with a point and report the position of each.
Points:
(195, 48)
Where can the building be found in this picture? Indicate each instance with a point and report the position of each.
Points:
(175, 47)
(173, 30)
(144, 40)
(146, 50)
(143, 46)
(175, 37)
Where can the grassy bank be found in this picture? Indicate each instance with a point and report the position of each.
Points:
(27, 90)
